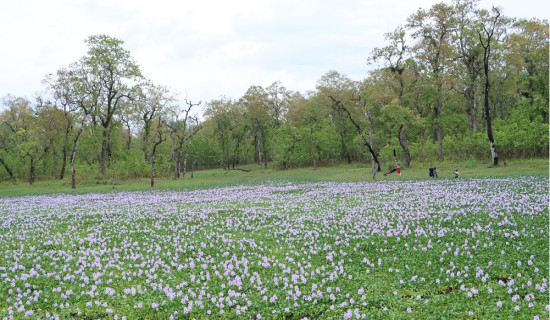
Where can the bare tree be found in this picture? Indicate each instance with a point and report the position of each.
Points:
(179, 135)
(491, 23)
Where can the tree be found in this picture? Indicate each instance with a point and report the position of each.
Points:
(160, 138)
(278, 98)
(492, 22)
(527, 56)
(396, 118)
(224, 119)
(308, 112)
(339, 90)
(348, 103)
(256, 109)
(469, 53)
(433, 29)
(152, 100)
(60, 86)
(4, 150)
(112, 75)
(52, 122)
(180, 134)
(394, 56)
(26, 134)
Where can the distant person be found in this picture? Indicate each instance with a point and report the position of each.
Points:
(457, 174)
(373, 173)
(431, 172)
(435, 173)
(399, 169)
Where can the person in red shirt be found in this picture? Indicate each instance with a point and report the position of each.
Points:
(399, 169)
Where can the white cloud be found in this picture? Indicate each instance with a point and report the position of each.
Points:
(209, 48)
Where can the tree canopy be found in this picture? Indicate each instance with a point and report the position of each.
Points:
(455, 82)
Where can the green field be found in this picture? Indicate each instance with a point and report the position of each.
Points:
(282, 245)
(218, 177)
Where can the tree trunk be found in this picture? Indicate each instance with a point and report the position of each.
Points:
(486, 56)
(31, 171)
(175, 155)
(63, 163)
(193, 168)
(225, 153)
(470, 96)
(185, 158)
(54, 163)
(345, 150)
(403, 142)
(395, 159)
(312, 147)
(494, 154)
(401, 86)
(422, 143)
(104, 147)
(366, 142)
(439, 142)
(259, 149)
(73, 155)
(129, 142)
(153, 165)
(5, 165)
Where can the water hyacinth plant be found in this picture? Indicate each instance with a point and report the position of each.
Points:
(456, 249)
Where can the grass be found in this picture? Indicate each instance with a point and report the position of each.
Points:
(218, 177)
(446, 249)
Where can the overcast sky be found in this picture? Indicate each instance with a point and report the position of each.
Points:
(209, 48)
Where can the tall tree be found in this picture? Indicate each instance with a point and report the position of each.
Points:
(152, 100)
(339, 90)
(25, 132)
(256, 108)
(222, 118)
(160, 137)
(492, 25)
(180, 133)
(112, 74)
(527, 56)
(469, 53)
(5, 150)
(433, 29)
(278, 98)
(60, 86)
(309, 113)
(394, 56)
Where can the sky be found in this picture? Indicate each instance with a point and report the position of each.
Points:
(205, 49)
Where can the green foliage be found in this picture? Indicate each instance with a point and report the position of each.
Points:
(428, 87)
(131, 164)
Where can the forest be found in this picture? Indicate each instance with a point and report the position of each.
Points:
(455, 82)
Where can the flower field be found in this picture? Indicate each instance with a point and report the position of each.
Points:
(455, 249)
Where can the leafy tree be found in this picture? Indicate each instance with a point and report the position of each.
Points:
(111, 75)
(527, 56)
(152, 101)
(469, 52)
(278, 100)
(433, 29)
(338, 91)
(25, 133)
(160, 137)
(182, 131)
(394, 56)
(258, 118)
(309, 113)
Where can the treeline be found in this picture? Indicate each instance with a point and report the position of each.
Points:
(454, 82)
